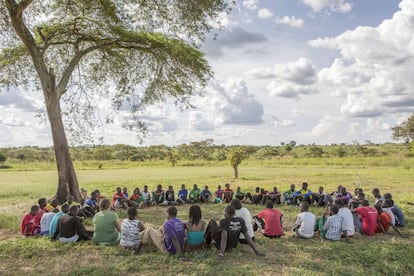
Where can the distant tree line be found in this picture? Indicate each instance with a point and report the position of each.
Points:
(204, 150)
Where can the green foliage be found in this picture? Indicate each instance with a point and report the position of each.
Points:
(3, 158)
(315, 152)
(405, 130)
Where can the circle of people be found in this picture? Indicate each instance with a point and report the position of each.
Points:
(344, 215)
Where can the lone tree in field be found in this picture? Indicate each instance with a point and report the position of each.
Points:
(236, 156)
(405, 130)
(137, 52)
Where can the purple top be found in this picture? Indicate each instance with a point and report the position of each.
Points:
(173, 227)
(219, 194)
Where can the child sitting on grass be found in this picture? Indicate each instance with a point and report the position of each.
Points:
(28, 226)
(333, 226)
(130, 229)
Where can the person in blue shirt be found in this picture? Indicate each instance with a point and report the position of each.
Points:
(54, 223)
(303, 194)
(182, 195)
(206, 195)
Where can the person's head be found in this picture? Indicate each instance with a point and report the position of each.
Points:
(105, 204)
(146, 188)
(320, 189)
(159, 187)
(343, 190)
(236, 204)
(338, 189)
(304, 186)
(292, 187)
(84, 192)
(364, 202)
(333, 209)
(387, 196)
(136, 191)
(194, 214)
(230, 211)
(125, 190)
(195, 186)
(262, 190)
(118, 190)
(54, 202)
(65, 208)
(206, 188)
(34, 210)
(227, 185)
(304, 206)
(98, 193)
(238, 189)
(172, 212)
(74, 210)
(132, 213)
(387, 203)
(376, 192)
(275, 189)
(269, 204)
(339, 203)
(93, 195)
(257, 189)
(219, 187)
(42, 202)
(182, 186)
(379, 209)
(170, 188)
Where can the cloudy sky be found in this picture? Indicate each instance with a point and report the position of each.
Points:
(313, 71)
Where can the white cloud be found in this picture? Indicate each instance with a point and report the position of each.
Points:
(294, 79)
(374, 73)
(230, 103)
(338, 6)
(290, 20)
(297, 112)
(260, 73)
(264, 13)
(282, 122)
(251, 4)
(197, 122)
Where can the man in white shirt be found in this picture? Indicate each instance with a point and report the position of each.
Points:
(305, 222)
(348, 219)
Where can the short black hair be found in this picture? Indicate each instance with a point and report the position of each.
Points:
(339, 203)
(132, 213)
(65, 208)
(230, 210)
(269, 204)
(334, 209)
(236, 204)
(172, 211)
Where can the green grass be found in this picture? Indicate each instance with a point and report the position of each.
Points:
(380, 255)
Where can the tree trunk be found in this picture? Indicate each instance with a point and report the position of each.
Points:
(67, 180)
(236, 172)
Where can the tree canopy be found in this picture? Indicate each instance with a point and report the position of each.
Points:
(136, 52)
(404, 130)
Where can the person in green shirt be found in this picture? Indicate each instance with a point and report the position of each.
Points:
(195, 194)
(106, 225)
(239, 194)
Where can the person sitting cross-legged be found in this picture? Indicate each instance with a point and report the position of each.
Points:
(227, 193)
(194, 196)
(305, 222)
(206, 195)
(226, 236)
(333, 226)
(182, 196)
(130, 229)
(70, 228)
(269, 221)
(171, 238)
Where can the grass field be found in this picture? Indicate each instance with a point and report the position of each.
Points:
(380, 255)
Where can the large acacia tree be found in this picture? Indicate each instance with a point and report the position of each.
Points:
(138, 52)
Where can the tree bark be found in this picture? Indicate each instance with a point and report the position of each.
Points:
(67, 180)
(236, 172)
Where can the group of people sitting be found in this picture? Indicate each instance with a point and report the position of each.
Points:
(345, 214)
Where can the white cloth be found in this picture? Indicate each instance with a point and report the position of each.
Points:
(74, 238)
(129, 233)
(45, 222)
(306, 222)
(244, 213)
(389, 211)
(348, 222)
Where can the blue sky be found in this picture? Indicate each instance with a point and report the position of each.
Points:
(313, 71)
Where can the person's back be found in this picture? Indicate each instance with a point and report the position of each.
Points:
(70, 228)
(45, 223)
(305, 222)
(130, 229)
(348, 219)
(245, 214)
(234, 226)
(272, 220)
(174, 227)
(369, 218)
(54, 223)
(106, 225)
(333, 225)
(385, 220)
